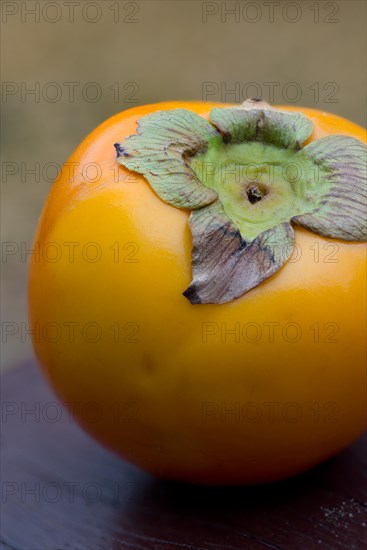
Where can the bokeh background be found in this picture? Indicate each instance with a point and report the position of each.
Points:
(67, 66)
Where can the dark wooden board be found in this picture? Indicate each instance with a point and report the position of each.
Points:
(86, 498)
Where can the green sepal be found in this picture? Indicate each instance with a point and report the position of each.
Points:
(335, 191)
(224, 266)
(160, 149)
(288, 130)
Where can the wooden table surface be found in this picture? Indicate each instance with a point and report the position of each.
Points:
(61, 490)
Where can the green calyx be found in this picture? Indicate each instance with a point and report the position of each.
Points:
(258, 184)
(246, 177)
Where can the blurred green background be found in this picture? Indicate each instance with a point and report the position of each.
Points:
(67, 66)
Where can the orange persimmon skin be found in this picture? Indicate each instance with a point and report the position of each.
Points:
(250, 391)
